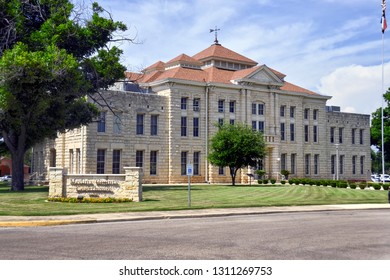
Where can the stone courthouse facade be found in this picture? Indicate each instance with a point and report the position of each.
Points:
(164, 117)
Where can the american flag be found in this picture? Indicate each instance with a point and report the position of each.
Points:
(383, 20)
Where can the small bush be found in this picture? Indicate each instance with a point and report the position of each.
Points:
(352, 185)
(273, 181)
(89, 200)
(265, 181)
(386, 186)
(283, 182)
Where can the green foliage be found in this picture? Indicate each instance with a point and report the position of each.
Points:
(376, 131)
(273, 181)
(50, 61)
(89, 200)
(236, 146)
(283, 182)
(260, 173)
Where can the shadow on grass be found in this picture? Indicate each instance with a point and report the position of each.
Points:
(27, 189)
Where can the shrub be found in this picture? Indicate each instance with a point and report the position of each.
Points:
(285, 173)
(283, 182)
(260, 173)
(273, 181)
(89, 199)
(352, 185)
(265, 181)
(342, 184)
(333, 184)
(386, 186)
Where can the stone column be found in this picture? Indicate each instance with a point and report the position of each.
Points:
(133, 182)
(56, 182)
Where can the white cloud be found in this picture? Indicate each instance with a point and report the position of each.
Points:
(356, 88)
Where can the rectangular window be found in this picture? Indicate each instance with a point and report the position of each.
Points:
(220, 121)
(354, 165)
(221, 106)
(254, 109)
(100, 161)
(102, 122)
(353, 136)
(315, 114)
(254, 125)
(221, 170)
(316, 163)
(183, 103)
(183, 127)
(292, 112)
(71, 160)
(293, 163)
(362, 165)
(282, 132)
(153, 162)
(261, 126)
(341, 129)
(78, 161)
(232, 106)
(332, 130)
(196, 163)
(139, 158)
(183, 161)
(315, 134)
(117, 128)
(260, 109)
(153, 125)
(140, 124)
(283, 164)
(196, 105)
(307, 164)
(292, 132)
(195, 127)
(283, 111)
(306, 133)
(232, 121)
(333, 164)
(361, 136)
(116, 161)
(306, 114)
(341, 164)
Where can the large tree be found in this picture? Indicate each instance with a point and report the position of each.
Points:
(376, 130)
(52, 56)
(236, 146)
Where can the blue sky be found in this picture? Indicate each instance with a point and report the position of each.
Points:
(328, 46)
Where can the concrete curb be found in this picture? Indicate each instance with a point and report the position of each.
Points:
(44, 223)
(20, 221)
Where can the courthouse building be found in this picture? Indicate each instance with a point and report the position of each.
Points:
(164, 117)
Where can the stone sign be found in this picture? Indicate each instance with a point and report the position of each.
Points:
(128, 185)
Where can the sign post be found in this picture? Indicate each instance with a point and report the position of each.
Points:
(190, 172)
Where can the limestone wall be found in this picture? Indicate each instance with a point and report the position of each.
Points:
(126, 185)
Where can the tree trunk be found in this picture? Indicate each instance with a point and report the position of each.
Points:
(233, 172)
(16, 145)
(17, 171)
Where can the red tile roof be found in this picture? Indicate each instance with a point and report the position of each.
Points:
(217, 51)
(182, 59)
(159, 72)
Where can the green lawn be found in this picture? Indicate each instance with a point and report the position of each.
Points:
(33, 200)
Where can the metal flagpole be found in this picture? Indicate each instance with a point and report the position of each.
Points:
(384, 26)
(382, 126)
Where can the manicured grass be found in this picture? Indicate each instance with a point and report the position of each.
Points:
(33, 201)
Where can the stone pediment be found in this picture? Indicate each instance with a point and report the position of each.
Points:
(260, 75)
(264, 75)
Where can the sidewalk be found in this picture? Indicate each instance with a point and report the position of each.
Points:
(28, 221)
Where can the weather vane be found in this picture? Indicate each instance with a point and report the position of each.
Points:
(216, 34)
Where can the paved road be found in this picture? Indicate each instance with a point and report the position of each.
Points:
(350, 234)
